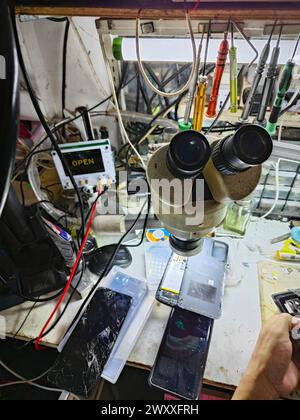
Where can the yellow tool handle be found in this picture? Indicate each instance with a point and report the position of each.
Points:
(233, 80)
(200, 106)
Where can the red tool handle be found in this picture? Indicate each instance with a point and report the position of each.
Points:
(219, 70)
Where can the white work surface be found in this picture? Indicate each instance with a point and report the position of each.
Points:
(234, 335)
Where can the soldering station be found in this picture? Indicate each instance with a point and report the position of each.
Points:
(131, 225)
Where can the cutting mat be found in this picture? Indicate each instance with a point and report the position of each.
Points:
(275, 277)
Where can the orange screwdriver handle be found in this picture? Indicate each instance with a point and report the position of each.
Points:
(219, 70)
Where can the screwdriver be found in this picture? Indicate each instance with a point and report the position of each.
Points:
(193, 87)
(200, 104)
(200, 99)
(219, 70)
(258, 76)
(270, 81)
(233, 75)
(284, 85)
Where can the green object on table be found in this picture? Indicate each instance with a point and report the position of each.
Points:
(238, 216)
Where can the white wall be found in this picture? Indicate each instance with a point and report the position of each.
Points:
(87, 83)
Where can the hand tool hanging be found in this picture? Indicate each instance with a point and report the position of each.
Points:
(233, 75)
(284, 85)
(193, 87)
(200, 99)
(258, 76)
(219, 70)
(270, 81)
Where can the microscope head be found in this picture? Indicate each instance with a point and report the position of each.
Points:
(192, 181)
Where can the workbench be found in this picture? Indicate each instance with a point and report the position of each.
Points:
(234, 335)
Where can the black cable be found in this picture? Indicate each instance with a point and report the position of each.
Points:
(58, 319)
(138, 91)
(91, 208)
(287, 108)
(69, 121)
(25, 320)
(64, 68)
(144, 226)
(30, 299)
(159, 85)
(9, 94)
(51, 328)
(55, 129)
(106, 270)
(44, 122)
(163, 111)
(170, 79)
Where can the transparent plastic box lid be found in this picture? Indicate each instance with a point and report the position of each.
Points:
(139, 312)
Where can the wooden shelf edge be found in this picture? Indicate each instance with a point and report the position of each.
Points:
(107, 13)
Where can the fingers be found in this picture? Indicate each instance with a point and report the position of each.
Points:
(296, 322)
(282, 323)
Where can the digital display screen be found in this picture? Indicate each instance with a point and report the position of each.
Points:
(181, 360)
(85, 162)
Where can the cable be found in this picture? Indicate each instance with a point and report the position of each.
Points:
(73, 272)
(163, 112)
(105, 272)
(30, 299)
(7, 384)
(43, 120)
(9, 93)
(144, 226)
(94, 204)
(124, 134)
(291, 103)
(277, 167)
(150, 129)
(69, 121)
(29, 381)
(143, 72)
(291, 188)
(58, 319)
(165, 82)
(64, 71)
(25, 320)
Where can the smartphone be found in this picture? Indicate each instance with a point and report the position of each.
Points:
(79, 367)
(169, 289)
(181, 359)
(197, 283)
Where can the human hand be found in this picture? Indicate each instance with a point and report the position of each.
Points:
(274, 369)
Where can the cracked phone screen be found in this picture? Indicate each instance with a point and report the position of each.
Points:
(79, 367)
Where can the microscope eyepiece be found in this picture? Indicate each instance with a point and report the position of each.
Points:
(250, 146)
(188, 153)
